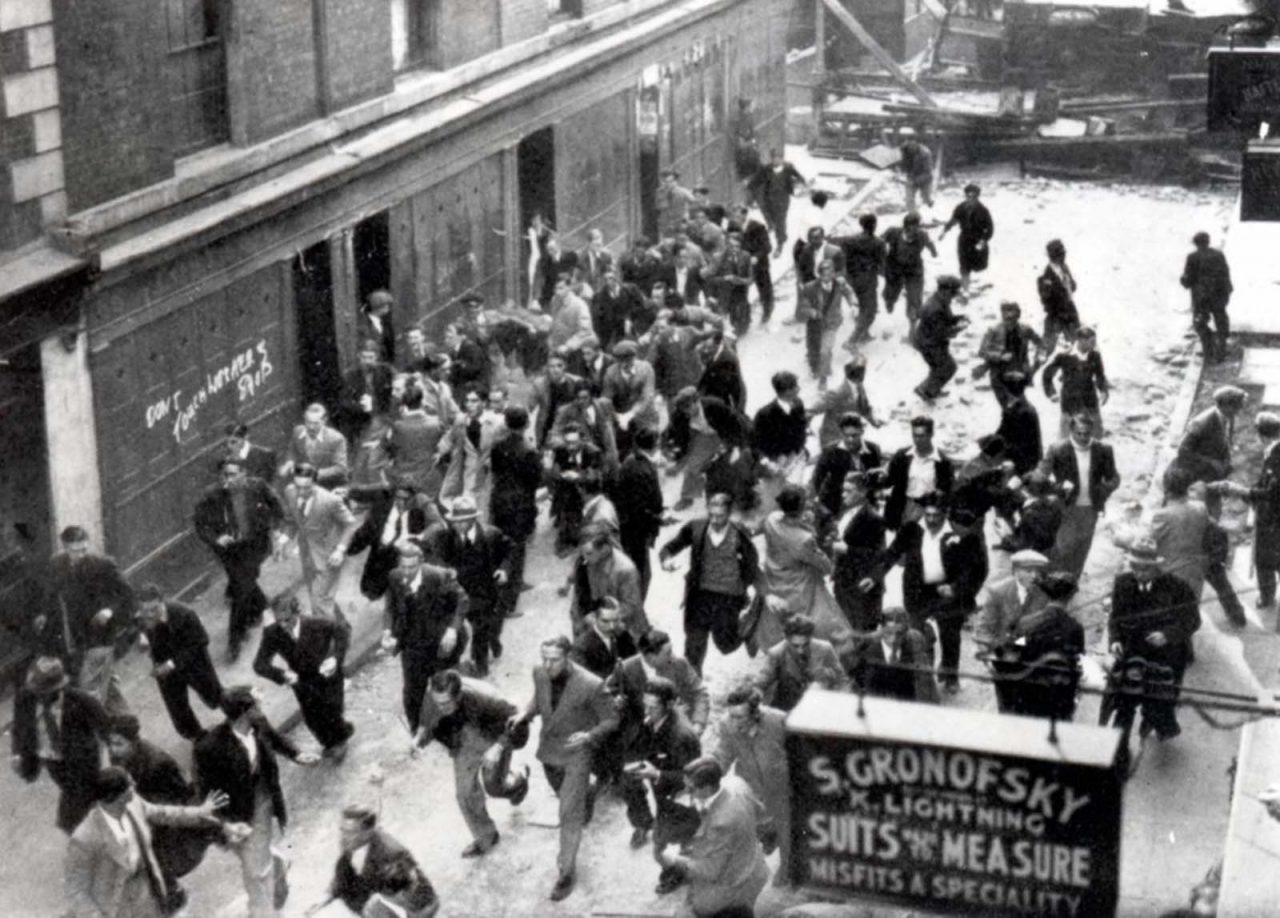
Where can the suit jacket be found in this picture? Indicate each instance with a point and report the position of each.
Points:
(78, 591)
(547, 398)
(468, 469)
(351, 417)
(1003, 610)
(823, 306)
(693, 287)
(327, 452)
(386, 338)
(761, 761)
(259, 462)
(669, 749)
(318, 639)
(469, 368)
(834, 463)
(516, 473)
(964, 566)
(473, 563)
(438, 401)
(773, 188)
(899, 472)
(1060, 465)
(418, 619)
(591, 652)
(637, 494)
(1205, 450)
(936, 326)
(864, 555)
(631, 679)
(328, 525)
(570, 323)
(864, 256)
(221, 763)
(1208, 277)
(84, 723)
(621, 582)
(215, 517)
(1020, 429)
(1265, 497)
(693, 536)
(157, 777)
(598, 430)
(594, 373)
(785, 675)
(592, 266)
(1057, 297)
(807, 259)
(583, 707)
(636, 391)
(480, 707)
(1169, 607)
(875, 674)
(95, 875)
(388, 869)
(725, 865)
(722, 379)
(611, 312)
(415, 448)
(181, 638)
(835, 403)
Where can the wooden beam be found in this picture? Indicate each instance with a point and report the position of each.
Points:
(820, 58)
(883, 57)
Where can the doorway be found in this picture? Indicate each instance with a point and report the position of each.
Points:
(320, 375)
(536, 181)
(371, 246)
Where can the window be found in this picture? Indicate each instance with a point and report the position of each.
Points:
(564, 8)
(196, 71)
(415, 31)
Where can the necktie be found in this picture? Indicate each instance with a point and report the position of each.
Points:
(473, 433)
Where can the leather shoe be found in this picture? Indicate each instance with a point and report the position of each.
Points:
(481, 846)
(639, 837)
(564, 886)
(668, 883)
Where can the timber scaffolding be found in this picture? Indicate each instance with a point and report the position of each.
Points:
(1150, 130)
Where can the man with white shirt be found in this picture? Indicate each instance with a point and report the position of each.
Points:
(323, 527)
(1013, 599)
(1084, 471)
(317, 444)
(375, 874)
(943, 568)
(375, 324)
(594, 260)
(915, 471)
(688, 283)
(895, 661)
(312, 651)
(238, 757)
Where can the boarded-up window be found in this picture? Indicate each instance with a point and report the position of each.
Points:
(197, 75)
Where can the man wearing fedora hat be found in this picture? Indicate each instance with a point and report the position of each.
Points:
(480, 557)
(58, 728)
(1153, 615)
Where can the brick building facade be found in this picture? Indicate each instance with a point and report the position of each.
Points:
(221, 184)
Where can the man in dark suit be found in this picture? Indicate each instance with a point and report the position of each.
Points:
(724, 567)
(772, 188)
(849, 454)
(238, 757)
(423, 623)
(1084, 496)
(516, 473)
(258, 461)
(932, 335)
(797, 661)
(602, 646)
(914, 471)
(235, 518)
(688, 284)
(551, 390)
(657, 754)
(395, 513)
(640, 266)
(614, 309)
(479, 556)
(313, 650)
(576, 715)
(1153, 615)
(90, 607)
(657, 657)
(1057, 288)
(58, 728)
(734, 274)
(722, 374)
(591, 363)
(895, 661)
(374, 323)
(637, 494)
(375, 874)
(469, 718)
(1208, 277)
(366, 392)
(468, 362)
(864, 256)
(1205, 450)
(571, 462)
(179, 648)
(943, 568)
(594, 260)
(859, 550)
(756, 243)
(1265, 498)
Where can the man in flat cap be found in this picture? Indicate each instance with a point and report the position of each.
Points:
(936, 327)
(1205, 450)
(1014, 598)
(631, 386)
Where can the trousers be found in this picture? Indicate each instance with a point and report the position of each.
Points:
(323, 702)
(820, 344)
(572, 784)
(243, 563)
(473, 779)
(710, 614)
(865, 291)
(175, 692)
(942, 366)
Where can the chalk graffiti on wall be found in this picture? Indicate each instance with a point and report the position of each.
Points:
(245, 373)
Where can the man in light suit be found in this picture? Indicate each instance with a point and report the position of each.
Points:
(595, 417)
(604, 571)
(1013, 599)
(723, 862)
(320, 446)
(631, 386)
(323, 526)
(466, 446)
(1084, 495)
(111, 869)
(850, 396)
(576, 716)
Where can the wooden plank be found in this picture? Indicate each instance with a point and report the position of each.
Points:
(883, 57)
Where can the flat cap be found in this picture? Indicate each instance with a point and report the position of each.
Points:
(949, 282)
(1230, 394)
(1028, 558)
(625, 348)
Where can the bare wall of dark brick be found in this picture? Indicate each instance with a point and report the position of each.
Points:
(355, 49)
(112, 90)
(271, 67)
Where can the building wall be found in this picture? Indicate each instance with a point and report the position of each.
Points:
(522, 19)
(354, 39)
(271, 68)
(32, 179)
(468, 30)
(593, 172)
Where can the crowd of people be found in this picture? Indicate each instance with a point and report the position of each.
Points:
(429, 475)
